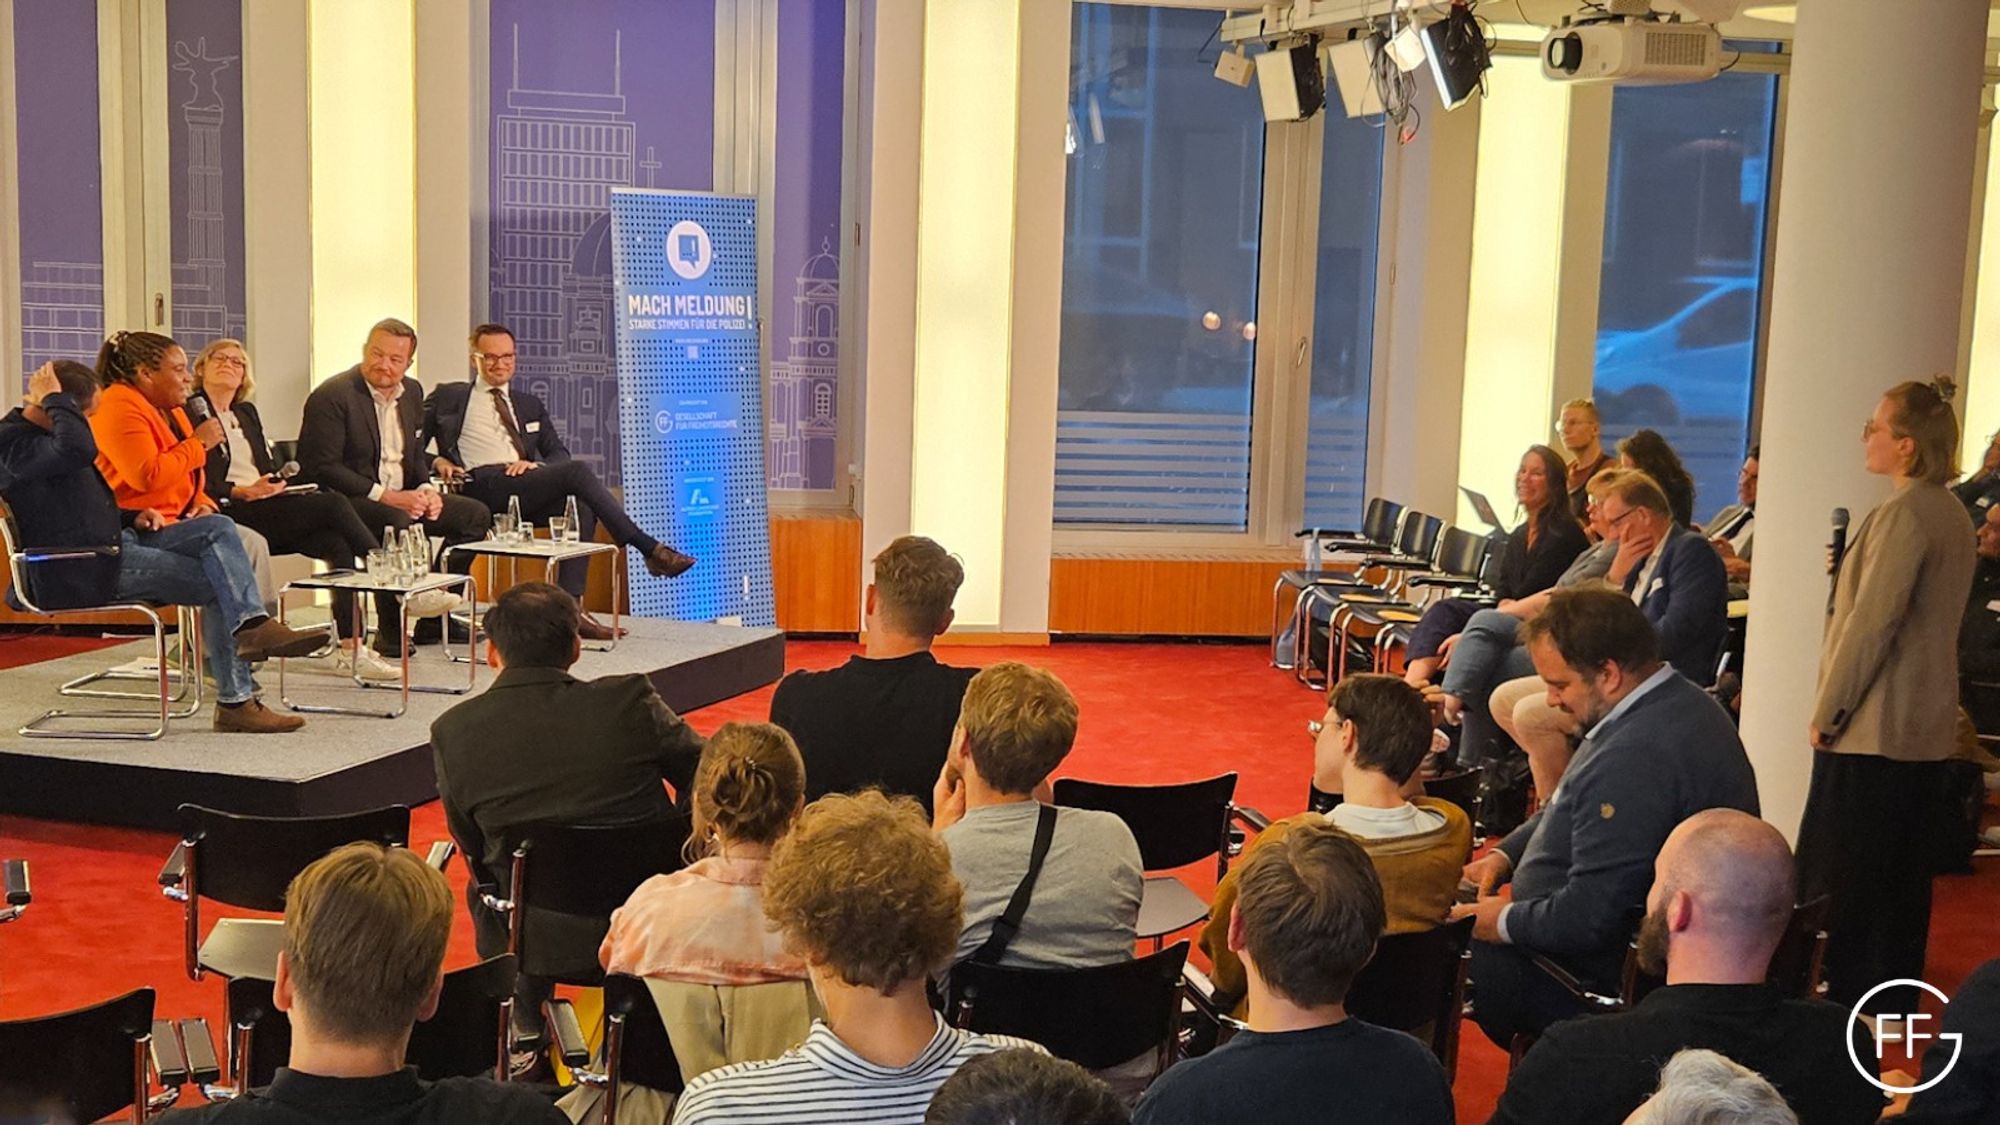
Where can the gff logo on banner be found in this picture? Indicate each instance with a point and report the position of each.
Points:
(1906, 1029)
(688, 249)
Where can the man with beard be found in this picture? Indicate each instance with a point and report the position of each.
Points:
(1720, 904)
(1656, 750)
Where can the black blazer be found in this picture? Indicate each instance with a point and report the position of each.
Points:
(59, 499)
(340, 444)
(444, 420)
(219, 458)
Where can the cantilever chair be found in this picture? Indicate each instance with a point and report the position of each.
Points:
(1462, 559)
(92, 1062)
(177, 693)
(1096, 1018)
(1416, 549)
(1175, 825)
(1379, 525)
(637, 1049)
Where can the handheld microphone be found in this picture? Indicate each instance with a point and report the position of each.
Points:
(287, 471)
(1839, 542)
(198, 409)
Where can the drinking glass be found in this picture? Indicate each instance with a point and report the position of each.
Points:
(525, 531)
(558, 529)
(503, 527)
(380, 568)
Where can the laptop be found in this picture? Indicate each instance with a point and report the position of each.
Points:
(1483, 508)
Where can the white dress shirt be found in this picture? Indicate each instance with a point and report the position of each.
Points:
(389, 423)
(242, 460)
(483, 440)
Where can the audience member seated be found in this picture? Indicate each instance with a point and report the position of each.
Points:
(1308, 912)
(363, 961)
(501, 443)
(1531, 559)
(1375, 736)
(884, 718)
(362, 437)
(1721, 902)
(863, 890)
(1702, 1088)
(1650, 454)
(242, 479)
(48, 473)
(1979, 631)
(1016, 1087)
(1582, 440)
(148, 449)
(1979, 491)
(1731, 529)
(1971, 1095)
(1017, 726)
(542, 745)
(727, 989)
(1656, 750)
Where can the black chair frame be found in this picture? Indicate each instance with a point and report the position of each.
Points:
(1097, 1017)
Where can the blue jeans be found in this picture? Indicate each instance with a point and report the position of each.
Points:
(199, 562)
(1487, 655)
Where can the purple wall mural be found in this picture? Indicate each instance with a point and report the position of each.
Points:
(205, 166)
(60, 235)
(586, 96)
(804, 336)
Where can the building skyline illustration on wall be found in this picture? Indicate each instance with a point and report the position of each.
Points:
(799, 446)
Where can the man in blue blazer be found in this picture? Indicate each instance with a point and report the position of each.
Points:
(1656, 750)
(502, 444)
(1672, 572)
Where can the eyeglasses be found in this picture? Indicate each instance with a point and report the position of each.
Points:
(493, 360)
(1613, 521)
(227, 360)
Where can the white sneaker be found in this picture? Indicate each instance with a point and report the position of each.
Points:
(1991, 837)
(435, 603)
(361, 662)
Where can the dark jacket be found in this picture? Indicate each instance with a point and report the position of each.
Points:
(444, 420)
(883, 723)
(59, 499)
(1596, 1070)
(1979, 631)
(1583, 864)
(219, 458)
(340, 443)
(1522, 570)
(1978, 493)
(1971, 1094)
(1687, 600)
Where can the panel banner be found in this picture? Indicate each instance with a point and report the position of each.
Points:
(690, 399)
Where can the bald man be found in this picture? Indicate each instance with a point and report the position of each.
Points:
(1720, 903)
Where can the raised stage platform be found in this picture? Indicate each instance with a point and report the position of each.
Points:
(337, 763)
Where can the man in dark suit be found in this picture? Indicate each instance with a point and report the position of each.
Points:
(502, 443)
(1671, 572)
(362, 436)
(541, 745)
(1656, 750)
(1720, 905)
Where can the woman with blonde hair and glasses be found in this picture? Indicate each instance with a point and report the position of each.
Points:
(1884, 724)
(727, 988)
(243, 481)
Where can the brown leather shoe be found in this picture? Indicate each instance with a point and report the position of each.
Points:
(665, 562)
(275, 638)
(591, 629)
(254, 718)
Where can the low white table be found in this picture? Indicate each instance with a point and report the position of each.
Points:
(549, 553)
(358, 583)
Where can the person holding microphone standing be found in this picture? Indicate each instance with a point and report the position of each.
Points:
(1883, 725)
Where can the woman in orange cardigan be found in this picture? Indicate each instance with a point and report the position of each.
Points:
(147, 448)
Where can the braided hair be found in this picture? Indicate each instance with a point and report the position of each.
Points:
(121, 357)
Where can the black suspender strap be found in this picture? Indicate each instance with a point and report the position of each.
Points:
(1009, 922)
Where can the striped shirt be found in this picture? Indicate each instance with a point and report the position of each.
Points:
(823, 1080)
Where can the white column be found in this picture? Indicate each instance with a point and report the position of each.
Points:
(445, 128)
(277, 212)
(1866, 285)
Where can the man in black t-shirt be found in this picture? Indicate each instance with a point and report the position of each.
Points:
(885, 717)
(1308, 912)
(1720, 904)
(363, 961)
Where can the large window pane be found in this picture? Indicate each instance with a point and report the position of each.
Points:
(1684, 270)
(1350, 209)
(205, 163)
(1159, 276)
(61, 238)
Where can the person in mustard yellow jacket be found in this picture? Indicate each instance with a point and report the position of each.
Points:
(1885, 722)
(1375, 735)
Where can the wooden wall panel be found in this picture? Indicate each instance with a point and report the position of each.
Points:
(816, 569)
(1194, 596)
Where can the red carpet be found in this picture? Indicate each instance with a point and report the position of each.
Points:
(1150, 713)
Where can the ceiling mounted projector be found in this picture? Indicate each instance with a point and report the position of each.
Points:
(1632, 51)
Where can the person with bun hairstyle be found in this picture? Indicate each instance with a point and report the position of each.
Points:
(726, 986)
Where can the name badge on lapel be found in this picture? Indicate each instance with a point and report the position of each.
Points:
(1656, 587)
(533, 426)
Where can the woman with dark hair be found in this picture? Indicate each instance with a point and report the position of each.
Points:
(1649, 453)
(1884, 724)
(242, 479)
(1534, 555)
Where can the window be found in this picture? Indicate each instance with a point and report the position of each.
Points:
(1350, 208)
(1682, 286)
(1159, 309)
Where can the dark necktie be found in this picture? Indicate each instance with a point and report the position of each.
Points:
(507, 421)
